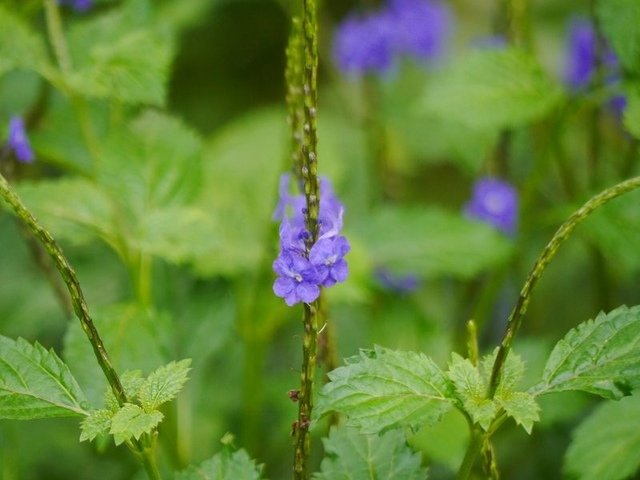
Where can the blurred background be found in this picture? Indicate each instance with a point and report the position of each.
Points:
(161, 184)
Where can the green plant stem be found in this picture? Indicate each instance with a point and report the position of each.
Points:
(473, 450)
(565, 230)
(63, 58)
(309, 174)
(79, 307)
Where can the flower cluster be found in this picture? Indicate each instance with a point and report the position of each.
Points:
(18, 141)
(371, 43)
(78, 5)
(302, 269)
(494, 202)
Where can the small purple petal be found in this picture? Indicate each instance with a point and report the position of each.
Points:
(307, 292)
(340, 271)
(283, 286)
(18, 140)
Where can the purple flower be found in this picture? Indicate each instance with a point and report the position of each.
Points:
(420, 27)
(364, 44)
(297, 279)
(18, 140)
(396, 283)
(494, 202)
(327, 256)
(78, 5)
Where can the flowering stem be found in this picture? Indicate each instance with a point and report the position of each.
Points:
(79, 306)
(309, 174)
(565, 230)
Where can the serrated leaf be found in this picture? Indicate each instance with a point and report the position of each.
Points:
(600, 356)
(472, 390)
(20, 47)
(163, 384)
(131, 421)
(35, 383)
(619, 20)
(492, 88)
(381, 389)
(224, 466)
(512, 372)
(431, 242)
(131, 381)
(353, 456)
(521, 406)
(97, 423)
(606, 446)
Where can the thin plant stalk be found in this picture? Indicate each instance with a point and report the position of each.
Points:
(79, 304)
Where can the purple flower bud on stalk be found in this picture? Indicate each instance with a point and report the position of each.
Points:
(396, 283)
(494, 202)
(327, 256)
(18, 140)
(297, 279)
(581, 54)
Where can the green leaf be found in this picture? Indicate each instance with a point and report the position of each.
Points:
(35, 383)
(521, 406)
(164, 384)
(511, 375)
(472, 390)
(20, 47)
(492, 88)
(224, 466)
(132, 421)
(431, 242)
(606, 446)
(600, 356)
(134, 337)
(381, 389)
(353, 456)
(131, 381)
(98, 422)
(619, 20)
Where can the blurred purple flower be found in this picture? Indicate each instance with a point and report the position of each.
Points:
(18, 140)
(297, 278)
(494, 202)
(371, 43)
(396, 283)
(364, 44)
(420, 27)
(78, 5)
(327, 256)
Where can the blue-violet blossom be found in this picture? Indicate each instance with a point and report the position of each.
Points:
(396, 282)
(18, 140)
(494, 202)
(371, 43)
(78, 5)
(300, 274)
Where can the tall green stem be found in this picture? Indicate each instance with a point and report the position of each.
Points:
(79, 307)
(309, 174)
(515, 318)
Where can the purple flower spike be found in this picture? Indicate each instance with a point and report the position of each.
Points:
(364, 45)
(421, 27)
(396, 283)
(327, 256)
(494, 202)
(297, 279)
(18, 140)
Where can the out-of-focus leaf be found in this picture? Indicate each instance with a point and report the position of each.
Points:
(619, 20)
(132, 421)
(492, 88)
(35, 383)
(134, 337)
(431, 242)
(606, 446)
(224, 466)
(354, 456)
(599, 356)
(632, 114)
(381, 389)
(20, 47)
